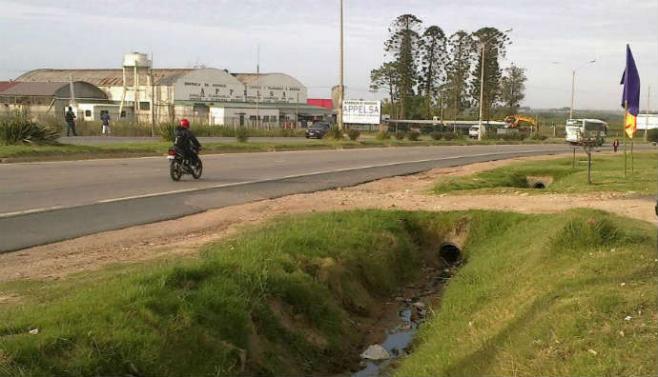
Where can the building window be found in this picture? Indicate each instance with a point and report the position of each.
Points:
(216, 91)
(145, 106)
(87, 113)
(284, 94)
(271, 94)
(266, 118)
(230, 92)
(273, 118)
(123, 114)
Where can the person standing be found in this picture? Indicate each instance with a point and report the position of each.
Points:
(69, 117)
(615, 145)
(105, 119)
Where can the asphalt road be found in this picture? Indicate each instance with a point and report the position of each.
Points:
(95, 140)
(52, 201)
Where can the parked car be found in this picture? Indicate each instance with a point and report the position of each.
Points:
(474, 132)
(318, 130)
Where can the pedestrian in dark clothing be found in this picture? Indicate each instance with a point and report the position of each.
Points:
(615, 145)
(187, 142)
(105, 119)
(69, 117)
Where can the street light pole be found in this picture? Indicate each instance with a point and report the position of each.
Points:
(341, 88)
(482, 45)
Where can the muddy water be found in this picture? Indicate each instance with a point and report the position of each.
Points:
(412, 314)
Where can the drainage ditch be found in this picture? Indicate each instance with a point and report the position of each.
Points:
(412, 305)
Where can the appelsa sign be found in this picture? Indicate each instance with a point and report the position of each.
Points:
(361, 112)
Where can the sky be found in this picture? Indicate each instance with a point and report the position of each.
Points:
(300, 37)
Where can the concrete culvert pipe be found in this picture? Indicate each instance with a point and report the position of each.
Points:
(450, 253)
(539, 185)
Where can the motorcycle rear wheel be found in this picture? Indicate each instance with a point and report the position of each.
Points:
(175, 170)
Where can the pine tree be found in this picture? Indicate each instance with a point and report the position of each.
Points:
(493, 42)
(433, 59)
(386, 77)
(512, 87)
(402, 45)
(458, 72)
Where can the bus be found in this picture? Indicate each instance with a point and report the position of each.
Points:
(584, 130)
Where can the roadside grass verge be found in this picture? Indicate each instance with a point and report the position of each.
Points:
(53, 152)
(538, 295)
(547, 296)
(607, 175)
(281, 299)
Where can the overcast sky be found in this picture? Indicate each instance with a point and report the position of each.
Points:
(300, 37)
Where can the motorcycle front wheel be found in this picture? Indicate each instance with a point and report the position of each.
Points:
(197, 169)
(175, 170)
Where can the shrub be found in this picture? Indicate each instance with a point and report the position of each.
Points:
(436, 135)
(20, 129)
(167, 131)
(413, 135)
(450, 136)
(335, 133)
(242, 134)
(383, 135)
(400, 135)
(539, 137)
(353, 134)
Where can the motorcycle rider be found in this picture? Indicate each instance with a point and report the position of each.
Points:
(187, 142)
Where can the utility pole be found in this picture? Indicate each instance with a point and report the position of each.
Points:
(341, 88)
(260, 89)
(646, 120)
(573, 86)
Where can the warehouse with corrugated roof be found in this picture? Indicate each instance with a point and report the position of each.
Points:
(205, 95)
(47, 97)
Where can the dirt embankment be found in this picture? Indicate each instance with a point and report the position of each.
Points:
(184, 236)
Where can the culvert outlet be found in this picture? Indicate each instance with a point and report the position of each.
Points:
(450, 253)
(539, 185)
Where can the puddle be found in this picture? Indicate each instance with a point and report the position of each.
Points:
(412, 314)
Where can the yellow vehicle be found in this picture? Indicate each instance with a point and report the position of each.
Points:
(514, 121)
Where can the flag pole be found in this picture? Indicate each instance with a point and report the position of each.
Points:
(623, 130)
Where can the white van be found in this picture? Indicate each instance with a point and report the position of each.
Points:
(474, 132)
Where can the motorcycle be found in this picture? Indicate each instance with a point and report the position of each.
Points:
(179, 165)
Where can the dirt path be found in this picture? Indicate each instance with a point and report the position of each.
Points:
(184, 236)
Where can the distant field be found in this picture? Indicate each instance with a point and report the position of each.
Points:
(558, 295)
(561, 177)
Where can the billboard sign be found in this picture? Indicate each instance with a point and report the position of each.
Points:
(647, 121)
(362, 112)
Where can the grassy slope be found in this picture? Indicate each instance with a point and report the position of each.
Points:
(547, 295)
(73, 152)
(538, 291)
(607, 175)
(193, 318)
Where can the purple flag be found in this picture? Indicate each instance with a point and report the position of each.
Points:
(631, 81)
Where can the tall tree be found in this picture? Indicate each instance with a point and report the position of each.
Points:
(386, 77)
(458, 72)
(492, 43)
(402, 45)
(432, 64)
(512, 87)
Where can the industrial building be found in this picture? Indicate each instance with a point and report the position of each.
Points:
(47, 97)
(204, 95)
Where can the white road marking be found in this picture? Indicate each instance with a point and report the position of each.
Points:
(208, 188)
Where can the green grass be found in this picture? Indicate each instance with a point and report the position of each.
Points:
(192, 318)
(17, 153)
(607, 175)
(547, 296)
(536, 294)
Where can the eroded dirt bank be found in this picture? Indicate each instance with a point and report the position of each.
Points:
(184, 236)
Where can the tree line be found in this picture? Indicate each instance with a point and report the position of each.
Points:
(428, 73)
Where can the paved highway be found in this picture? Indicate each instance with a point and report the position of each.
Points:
(51, 201)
